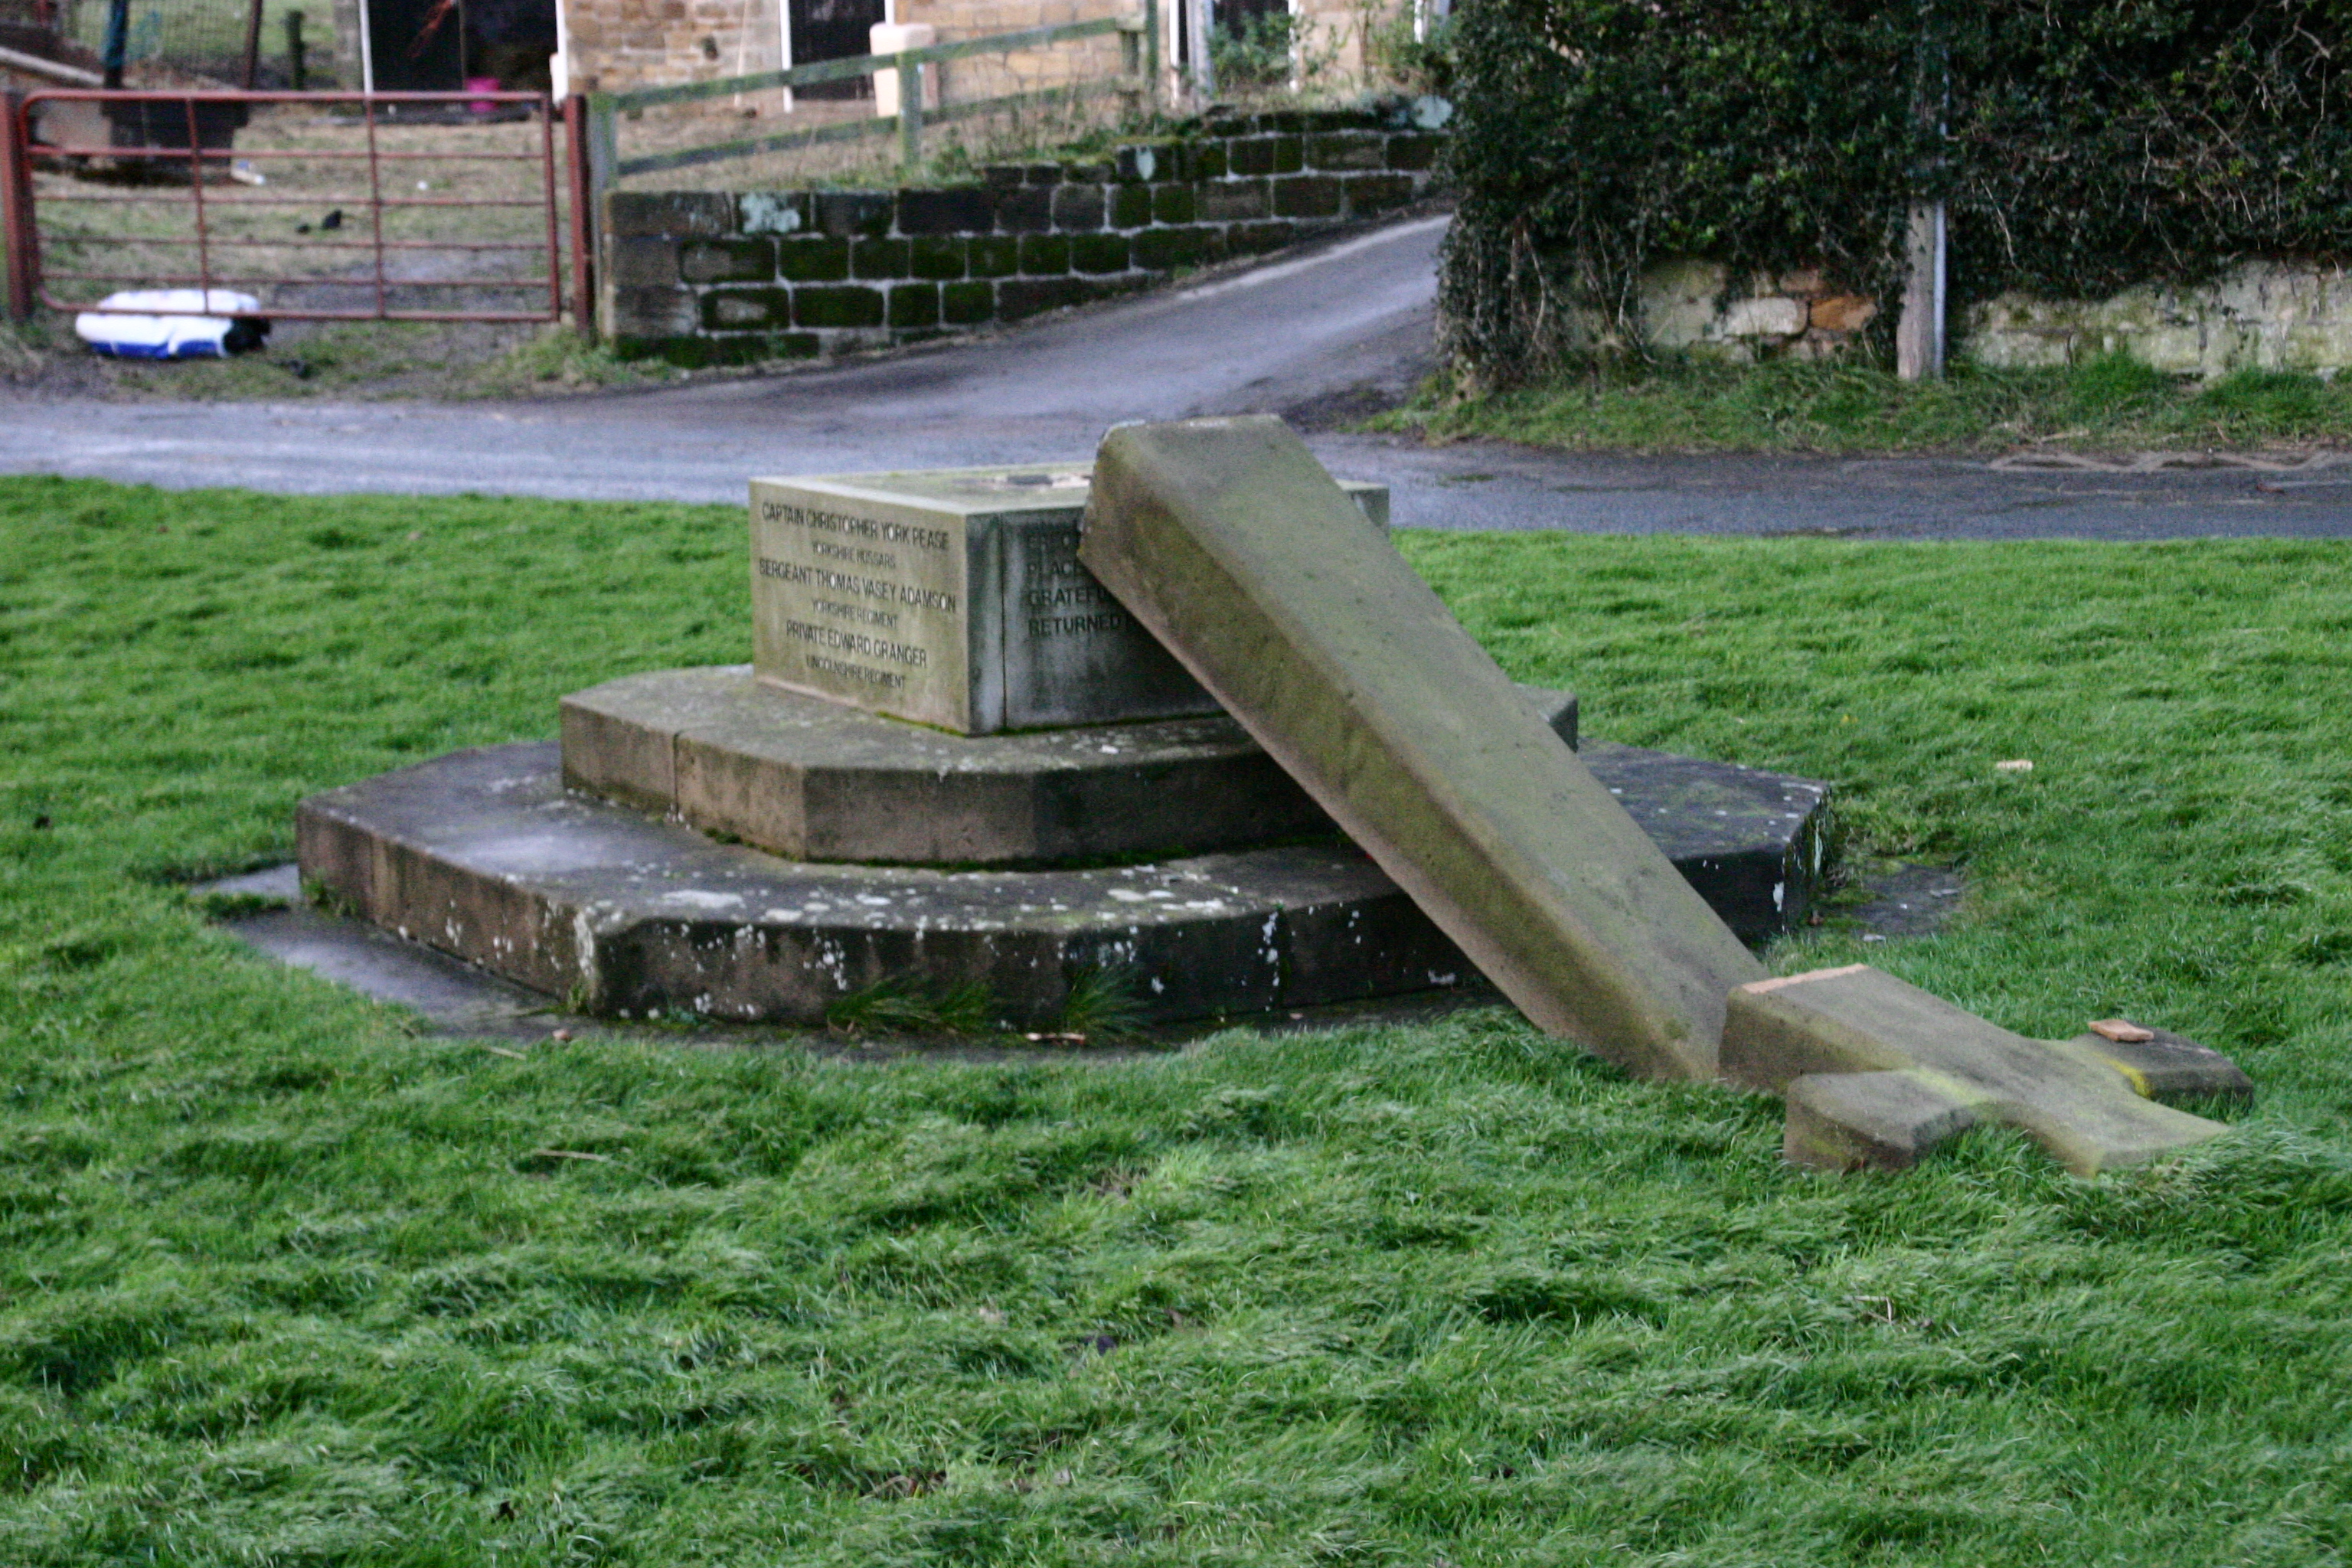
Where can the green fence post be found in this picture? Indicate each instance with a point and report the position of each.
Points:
(1152, 54)
(910, 109)
(603, 154)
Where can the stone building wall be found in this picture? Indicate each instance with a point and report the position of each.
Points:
(617, 44)
(703, 278)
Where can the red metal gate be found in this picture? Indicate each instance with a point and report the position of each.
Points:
(316, 217)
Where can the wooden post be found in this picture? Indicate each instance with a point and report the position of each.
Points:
(298, 60)
(603, 155)
(252, 46)
(910, 109)
(1919, 331)
(582, 195)
(1203, 17)
(1151, 53)
(16, 209)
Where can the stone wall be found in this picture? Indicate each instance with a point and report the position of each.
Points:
(702, 277)
(1691, 305)
(2262, 315)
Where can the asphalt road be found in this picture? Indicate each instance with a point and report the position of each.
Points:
(1315, 336)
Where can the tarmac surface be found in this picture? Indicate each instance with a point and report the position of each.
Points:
(1320, 335)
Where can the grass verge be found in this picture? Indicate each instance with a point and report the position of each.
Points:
(2109, 404)
(366, 359)
(283, 1283)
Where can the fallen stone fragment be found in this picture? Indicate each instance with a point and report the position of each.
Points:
(1227, 538)
(2121, 1030)
(1878, 1072)
(2168, 1066)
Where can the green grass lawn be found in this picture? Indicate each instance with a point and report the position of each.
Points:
(282, 1282)
(2110, 403)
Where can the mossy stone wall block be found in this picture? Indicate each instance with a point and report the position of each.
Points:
(812, 261)
(641, 261)
(773, 212)
(848, 214)
(746, 310)
(728, 261)
(1173, 203)
(1231, 543)
(1130, 206)
(1164, 248)
(967, 304)
(795, 346)
(1234, 201)
(1099, 253)
(1144, 164)
(1306, 195)
(652, 312)
(992, 255)
(1077, 206)
(1347, 150)
(878, 259)
(1044, 253)
(837, 307)
(1368, 193)
(1021, 297)
(1415, 153)
(915, 305)
(1269, 155)
(936, 256)
(952, 209)
(1109, 286)
(681, 214)
(1029, 210)
(1253, 239)
(1210, 161)
(1046, 174)
(1004, 176)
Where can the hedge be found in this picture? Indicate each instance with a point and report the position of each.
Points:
(2080, 148)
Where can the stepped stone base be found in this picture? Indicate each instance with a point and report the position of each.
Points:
(814, 779)
(485, 855)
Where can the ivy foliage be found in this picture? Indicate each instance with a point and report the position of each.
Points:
(2082, 149)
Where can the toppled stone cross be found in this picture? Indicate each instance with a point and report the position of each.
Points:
(1878, 1072)
(1228, 540)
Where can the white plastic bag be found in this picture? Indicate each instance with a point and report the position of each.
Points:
(172, 324)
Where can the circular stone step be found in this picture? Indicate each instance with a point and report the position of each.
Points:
(814, 779)
(484, 854)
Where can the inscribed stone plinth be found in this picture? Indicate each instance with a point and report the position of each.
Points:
(1231, 543)
(955, 598)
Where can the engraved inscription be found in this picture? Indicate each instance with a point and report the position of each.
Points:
(862, 608)
(862, 527)
(1053, 579)
(908, 654)
(857, 613)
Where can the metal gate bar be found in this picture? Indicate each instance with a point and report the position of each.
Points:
(27, 277)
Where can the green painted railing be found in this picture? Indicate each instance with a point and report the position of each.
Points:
(1140, 66)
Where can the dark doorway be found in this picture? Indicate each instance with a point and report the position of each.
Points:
(418, 45)
(512, 40)
(834, 31)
